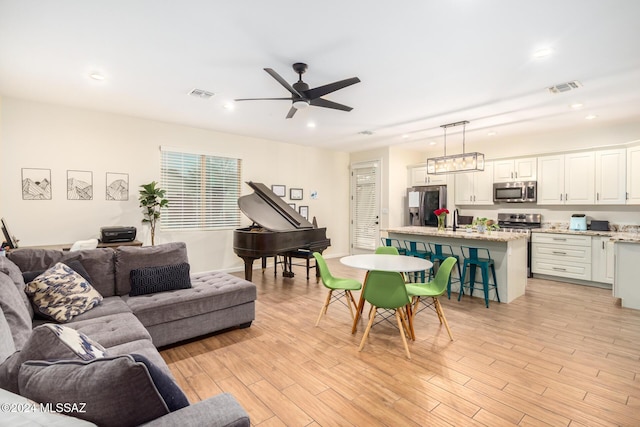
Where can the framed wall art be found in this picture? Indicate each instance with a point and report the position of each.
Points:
(279, 190)
(292, 206)
(36, 184)
(79, 185)
(117, 186)
(304, 211)
(295, 193)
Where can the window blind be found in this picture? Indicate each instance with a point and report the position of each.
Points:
(202, 190)
(365, 206)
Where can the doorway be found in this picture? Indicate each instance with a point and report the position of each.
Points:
(365, 207)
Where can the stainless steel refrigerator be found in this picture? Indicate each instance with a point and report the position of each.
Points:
(422, 201)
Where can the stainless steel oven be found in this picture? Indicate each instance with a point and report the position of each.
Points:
(521, 223)
(515, 192)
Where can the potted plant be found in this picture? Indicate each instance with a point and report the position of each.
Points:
(152, 200)
(442, 217)
(485, 224)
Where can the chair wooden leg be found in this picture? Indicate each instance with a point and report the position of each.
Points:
(441, 315)
(366, 331)
(324, 308)
(411, 314)
(402, 326)
(350, 302)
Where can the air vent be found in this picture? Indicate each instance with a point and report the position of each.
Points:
(366, 132)
(565, 87)
(199, 93)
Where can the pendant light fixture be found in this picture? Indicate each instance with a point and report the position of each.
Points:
(465, 162)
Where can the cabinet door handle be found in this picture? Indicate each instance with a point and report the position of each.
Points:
(559, 239)
(559, 269)
(516, 174)
(603, 244)
(560, 196)
(597, 196)
(558, 253)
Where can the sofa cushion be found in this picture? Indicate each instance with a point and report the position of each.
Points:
(113, 329)
(150, 280)
(99, 264)
(48, 342)
(129, 258)
(211, 291)
(144, 348)
(13, 271)
(7, 346)
(14, 310)
(75, 265)
(108, 306)
(118, 391)
(61, 293)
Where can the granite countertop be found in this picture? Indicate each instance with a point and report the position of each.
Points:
(494, 236)
(614, 236)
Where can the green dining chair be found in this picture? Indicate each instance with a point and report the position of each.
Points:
(387, 290)
(387, 250)
(433, 289)
(342, 286)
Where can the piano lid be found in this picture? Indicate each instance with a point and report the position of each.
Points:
(269, 211)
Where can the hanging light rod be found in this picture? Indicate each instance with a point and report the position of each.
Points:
(465, 162)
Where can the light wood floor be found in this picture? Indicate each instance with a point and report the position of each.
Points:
(562, 355)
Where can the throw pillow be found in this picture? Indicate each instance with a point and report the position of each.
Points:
(117, 391)
(9, 268)
(14, 311)
(76, 266)
(61, 293)
(49, 341)
(150, 280)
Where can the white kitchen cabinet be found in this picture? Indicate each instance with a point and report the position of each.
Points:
(602, 259)
(626, 280)
(566, 179)
(418, 176)
(610, 176)
(633, 176)
(475, 188)
(562, 255)
(511, 170)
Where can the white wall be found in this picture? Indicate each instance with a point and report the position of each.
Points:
(36, 135)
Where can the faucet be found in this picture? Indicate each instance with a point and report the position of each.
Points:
(455, 219)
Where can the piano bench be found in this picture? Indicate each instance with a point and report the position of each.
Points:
(302, 254)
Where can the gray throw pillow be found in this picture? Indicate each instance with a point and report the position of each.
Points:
(48, 342)
(14, 310)
(13, 271)
(115, 391)
(150, 280)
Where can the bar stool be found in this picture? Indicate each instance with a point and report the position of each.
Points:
(418, 250)
(474, 261)
(440, 252)
(386, 241)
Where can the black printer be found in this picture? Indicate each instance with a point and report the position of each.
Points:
(117, 234)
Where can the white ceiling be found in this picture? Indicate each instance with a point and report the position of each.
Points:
(422, 63)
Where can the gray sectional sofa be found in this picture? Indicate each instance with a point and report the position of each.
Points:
(124, 324)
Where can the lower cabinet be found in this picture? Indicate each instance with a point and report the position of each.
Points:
(602, 259)
(562, 255)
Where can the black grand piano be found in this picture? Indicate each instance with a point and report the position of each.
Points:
(277, 230)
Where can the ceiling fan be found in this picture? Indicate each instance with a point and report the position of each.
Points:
(302, 96)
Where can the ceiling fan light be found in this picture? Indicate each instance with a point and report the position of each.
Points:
(300, 104)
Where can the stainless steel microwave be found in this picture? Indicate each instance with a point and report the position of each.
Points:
(515, 192)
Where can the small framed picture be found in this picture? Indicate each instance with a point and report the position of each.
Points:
(304, 211)
(292, 205)
(279, 190)
(295, 193)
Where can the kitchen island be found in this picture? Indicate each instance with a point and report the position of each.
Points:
(509, 250)
(626, 285)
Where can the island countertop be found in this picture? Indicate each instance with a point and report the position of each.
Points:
(494, 236)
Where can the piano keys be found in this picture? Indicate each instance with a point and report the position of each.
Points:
(277, 229)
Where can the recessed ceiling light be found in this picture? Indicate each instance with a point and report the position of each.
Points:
(541, 53)
(432, 143)
(405, 136)
(96, 76)
(229, 106)
(492, 133)
(591, 117)
(311, 125)
(576, 106)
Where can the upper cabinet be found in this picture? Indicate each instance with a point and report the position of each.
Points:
(611, 177)
(475, 188)
(633, 175)
(418, 176)
(524, 169)
(566, 179)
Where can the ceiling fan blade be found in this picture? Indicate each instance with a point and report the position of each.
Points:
(282, 81)
(292, 111)
(319, 102)
(319, 91)
(263, 99)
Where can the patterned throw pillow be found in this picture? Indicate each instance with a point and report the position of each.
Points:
(83, 346)
(60, 293)
(150, 280)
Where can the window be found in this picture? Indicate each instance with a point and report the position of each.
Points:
(202, 190)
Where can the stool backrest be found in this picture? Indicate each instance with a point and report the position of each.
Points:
(440, 249)
(475, 253)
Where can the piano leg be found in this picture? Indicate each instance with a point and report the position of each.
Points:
(287, 272)
(248, 268)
